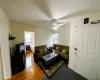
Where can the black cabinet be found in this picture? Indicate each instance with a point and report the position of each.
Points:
(18, 60)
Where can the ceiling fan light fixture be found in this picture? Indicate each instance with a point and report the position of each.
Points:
(55, 28)
(54, 24)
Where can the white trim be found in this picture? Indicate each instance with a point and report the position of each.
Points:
(1, 73)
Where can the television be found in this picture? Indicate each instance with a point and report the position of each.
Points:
(20, 48)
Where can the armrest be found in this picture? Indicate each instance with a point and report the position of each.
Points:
(35, 57)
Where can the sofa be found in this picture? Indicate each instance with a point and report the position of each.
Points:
(39, 52)
(42, 50)
(62, 50)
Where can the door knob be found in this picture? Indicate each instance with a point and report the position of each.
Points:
(75, 49)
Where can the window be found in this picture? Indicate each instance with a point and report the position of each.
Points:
(55, 38)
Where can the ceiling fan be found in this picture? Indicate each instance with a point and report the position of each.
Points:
(56, 24)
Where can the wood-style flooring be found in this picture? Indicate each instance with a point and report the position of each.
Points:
(32, 71)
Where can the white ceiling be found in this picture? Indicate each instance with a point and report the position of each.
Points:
(40, 12)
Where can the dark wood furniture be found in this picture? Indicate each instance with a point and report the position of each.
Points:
(18, 59)
(50, 59)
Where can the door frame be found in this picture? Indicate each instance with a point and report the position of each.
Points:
(24, 38)
(1, 64)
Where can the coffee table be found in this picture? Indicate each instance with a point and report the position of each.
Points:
(49, 59)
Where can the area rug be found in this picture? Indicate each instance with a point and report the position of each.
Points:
(64, 73)
(50, 72)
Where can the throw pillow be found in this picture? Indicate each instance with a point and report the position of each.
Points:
(65, 56)
(64, 51)
(57, 48)
(45, 50)
(40, 50)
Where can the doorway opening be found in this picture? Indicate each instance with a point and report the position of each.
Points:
(29, 40)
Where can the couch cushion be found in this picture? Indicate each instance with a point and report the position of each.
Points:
(64, 51)
(45, 49)
(41, 54)
(39, 47)
(61, 47)
(40, 50)
(66, 56)
(57, 48)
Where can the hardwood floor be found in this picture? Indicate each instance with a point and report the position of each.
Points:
(32, 71)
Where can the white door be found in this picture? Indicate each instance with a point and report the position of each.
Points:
(85, 51)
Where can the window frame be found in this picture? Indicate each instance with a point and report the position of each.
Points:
(55, 38)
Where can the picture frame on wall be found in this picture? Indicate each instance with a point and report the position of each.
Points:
(86, 20)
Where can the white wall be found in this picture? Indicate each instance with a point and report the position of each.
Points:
(4, 43)
(64, 35)
(42, 35)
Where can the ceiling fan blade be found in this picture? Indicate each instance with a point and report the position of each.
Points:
(59, 23)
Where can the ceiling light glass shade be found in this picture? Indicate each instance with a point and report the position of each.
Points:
(55, 28)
